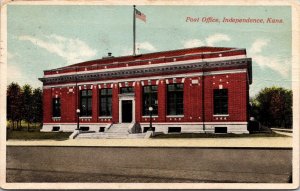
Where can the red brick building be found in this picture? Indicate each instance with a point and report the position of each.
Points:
(203, 89)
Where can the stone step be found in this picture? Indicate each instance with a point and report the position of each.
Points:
(106, 134)
(120, 125)
(110, 136)
(116, 131)
(125, 132)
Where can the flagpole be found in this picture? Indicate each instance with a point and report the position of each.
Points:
(134, 30)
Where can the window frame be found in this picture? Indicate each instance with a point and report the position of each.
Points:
(151, 96)
(127, 88)
(89, 111)
(106, 97)
(56, 110)
(220, 102)
(175, 97)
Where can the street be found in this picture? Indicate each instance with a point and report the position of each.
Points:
(148, 165)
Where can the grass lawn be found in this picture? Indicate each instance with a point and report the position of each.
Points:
(36, 135)
(202, 135)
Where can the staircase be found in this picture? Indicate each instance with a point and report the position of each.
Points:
(116, 131)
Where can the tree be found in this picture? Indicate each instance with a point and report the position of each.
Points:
(24, 104)
(273, 107)
(37, 105)
(27, 104)
(14, 113)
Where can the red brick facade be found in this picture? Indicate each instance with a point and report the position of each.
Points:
(200, 70)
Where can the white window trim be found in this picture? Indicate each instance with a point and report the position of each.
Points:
(175, 116)
(85, 117)
(148, 116)
(221, 115)
(105, 117)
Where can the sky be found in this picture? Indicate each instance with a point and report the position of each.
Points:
(42, 37)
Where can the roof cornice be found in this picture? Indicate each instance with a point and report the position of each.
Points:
(162, 69)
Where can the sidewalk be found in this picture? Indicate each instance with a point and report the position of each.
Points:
(284, 133)
(283, 130)
(260, 142)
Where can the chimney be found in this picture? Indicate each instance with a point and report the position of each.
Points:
(109, 56)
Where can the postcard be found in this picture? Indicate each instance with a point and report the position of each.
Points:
(149, 94)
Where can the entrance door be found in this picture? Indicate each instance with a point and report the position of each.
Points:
(126, 111)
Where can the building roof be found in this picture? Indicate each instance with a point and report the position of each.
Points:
(149, 56)
(184, 60)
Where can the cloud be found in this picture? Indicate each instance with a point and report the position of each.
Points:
(19, 73)
(211, 40)
(277, 64)
(11, 66)
(271, 62)
(22, 77)
(258, 45)
(71, 50)
(146, 46)
(126, 52)
(193, 43)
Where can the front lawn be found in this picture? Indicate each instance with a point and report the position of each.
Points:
(203, 135)
(36, 135)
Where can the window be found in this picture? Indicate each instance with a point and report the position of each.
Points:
(55, 128)
(84, 128)
(175, 99)
(150, 99)
(56, 107)
(126, 90)
(174, 129)
(105, 102)
(101, 129)
(220, 101)
(220, 129)
(86, 103)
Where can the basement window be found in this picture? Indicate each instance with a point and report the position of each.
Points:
(84, 128)
(220, 129)
(174, 129)
(101, 129)
(55, 128)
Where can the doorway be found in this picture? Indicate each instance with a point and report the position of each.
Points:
(126, 111)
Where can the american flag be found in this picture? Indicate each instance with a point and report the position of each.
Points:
(140, 15)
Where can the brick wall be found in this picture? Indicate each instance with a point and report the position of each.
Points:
(238, 97)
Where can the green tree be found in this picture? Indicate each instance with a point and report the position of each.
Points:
(27, 104)
(37, 105)
(14, 96)
(273, 107)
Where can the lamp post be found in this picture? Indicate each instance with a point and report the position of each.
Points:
(78, 114)
(150, 110)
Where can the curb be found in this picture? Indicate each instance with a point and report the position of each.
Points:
(286, 142)
(157, 147)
